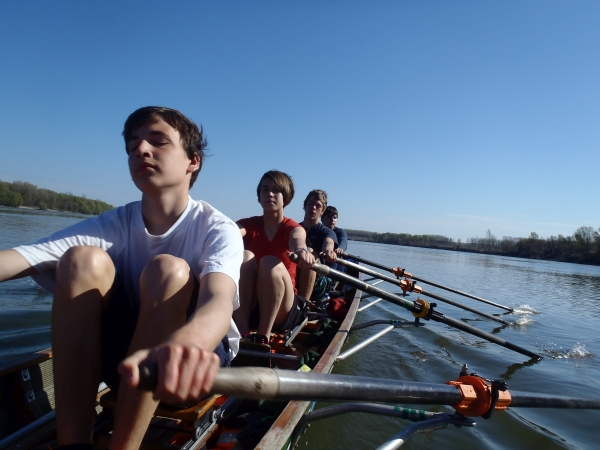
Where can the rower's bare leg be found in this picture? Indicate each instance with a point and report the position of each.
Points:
(275, 294)
(306, 282)
(166, 287)
(248, 274)
(84, 277)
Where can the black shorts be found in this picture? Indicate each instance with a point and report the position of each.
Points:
(295, 317)
(118, 323)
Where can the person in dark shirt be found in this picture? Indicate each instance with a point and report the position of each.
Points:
(329, 219)
(320, 239)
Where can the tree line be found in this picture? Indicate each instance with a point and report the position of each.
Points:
(22, 193)
(582, 247)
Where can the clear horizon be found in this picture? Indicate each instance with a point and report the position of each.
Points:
(421, 118)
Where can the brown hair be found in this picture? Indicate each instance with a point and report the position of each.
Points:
(330, 211)
(321, 196)
(282, 182)
(192, 138)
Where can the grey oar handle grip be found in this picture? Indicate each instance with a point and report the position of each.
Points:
(246, 382)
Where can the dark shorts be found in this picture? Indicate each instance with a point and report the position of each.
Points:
(295, 317)
(119, 319)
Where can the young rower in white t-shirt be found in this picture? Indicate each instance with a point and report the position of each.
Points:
(154, 280)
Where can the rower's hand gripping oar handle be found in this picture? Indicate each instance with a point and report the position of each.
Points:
(243, 382)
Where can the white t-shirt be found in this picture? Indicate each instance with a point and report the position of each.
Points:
(205, 238)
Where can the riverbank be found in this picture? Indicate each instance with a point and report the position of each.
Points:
(581, 248)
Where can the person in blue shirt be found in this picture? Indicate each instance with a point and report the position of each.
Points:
(320, 240)
(329, 219)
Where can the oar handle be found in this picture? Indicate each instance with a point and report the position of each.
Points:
(269, 384)
(148, 376)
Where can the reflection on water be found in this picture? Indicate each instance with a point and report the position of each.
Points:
(556, 313)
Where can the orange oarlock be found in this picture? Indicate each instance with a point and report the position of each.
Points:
(399, 272)
(477, 396)
(410, 286)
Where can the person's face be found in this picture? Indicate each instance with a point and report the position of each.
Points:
(157, 159)
(330, 220)
(271, 199)
(313, 208)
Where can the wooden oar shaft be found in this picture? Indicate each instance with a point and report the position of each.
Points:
(413, 306)
(271, 384)
(422, 280)
(402, 283)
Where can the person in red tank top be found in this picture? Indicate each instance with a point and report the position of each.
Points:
(268, 277)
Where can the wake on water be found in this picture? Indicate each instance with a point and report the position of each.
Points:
(578, 351)
(524, 310)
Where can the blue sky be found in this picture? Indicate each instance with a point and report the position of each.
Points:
(425, 117)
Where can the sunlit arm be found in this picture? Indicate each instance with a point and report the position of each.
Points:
(186, 360)
(13, 266)
(297, 245)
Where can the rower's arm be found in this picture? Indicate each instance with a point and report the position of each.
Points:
(212, 318)
(297, 245)
(329, 250)
(328, 245)
(186, 359)
(13, 266)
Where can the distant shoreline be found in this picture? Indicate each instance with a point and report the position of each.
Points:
(467, 250)
(24, 195)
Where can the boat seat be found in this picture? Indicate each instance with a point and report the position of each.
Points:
(189, 413)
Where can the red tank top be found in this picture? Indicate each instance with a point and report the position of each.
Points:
(257, 242)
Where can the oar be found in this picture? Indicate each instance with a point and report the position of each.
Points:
(422, 280)
(270, 384)
(416, 307)
(408, 286)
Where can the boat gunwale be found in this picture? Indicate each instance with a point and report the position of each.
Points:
(26, 361)
(284, 425)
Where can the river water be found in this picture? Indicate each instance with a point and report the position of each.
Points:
(557, 314)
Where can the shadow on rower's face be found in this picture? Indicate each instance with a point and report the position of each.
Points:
(330, 221)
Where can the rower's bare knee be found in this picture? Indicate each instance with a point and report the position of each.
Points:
(83, 269)
(271, 266)
(166, 278)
